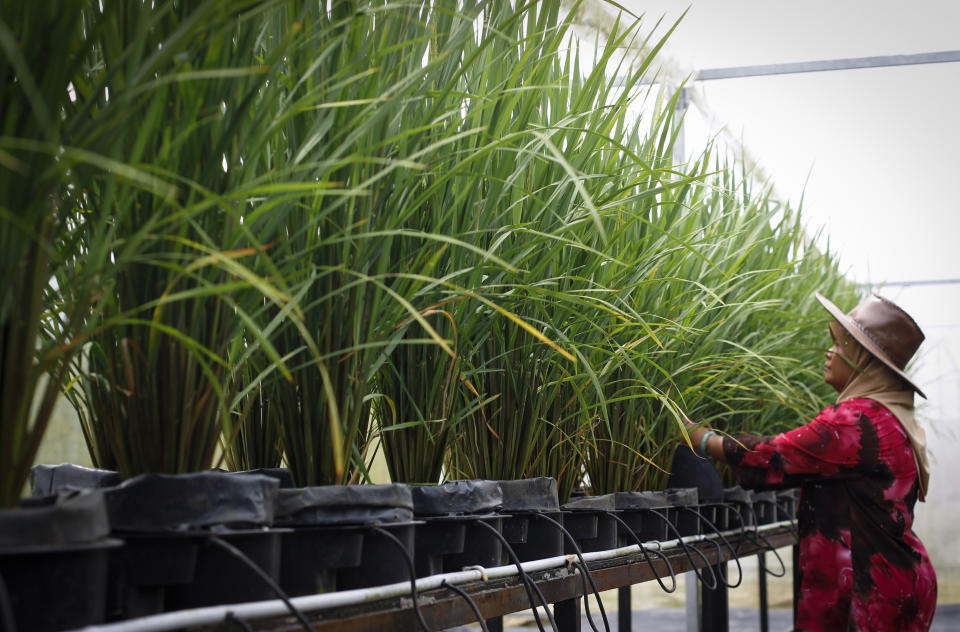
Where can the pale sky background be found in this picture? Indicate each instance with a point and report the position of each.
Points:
(880, 147)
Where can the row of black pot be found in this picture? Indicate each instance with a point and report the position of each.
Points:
(89, 548)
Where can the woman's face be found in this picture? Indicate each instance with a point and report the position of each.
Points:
(837, 371)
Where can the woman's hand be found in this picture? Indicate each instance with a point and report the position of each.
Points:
(704, 439)
(695, 431)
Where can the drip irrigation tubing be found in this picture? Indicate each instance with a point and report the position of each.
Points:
(240, 555)
(765, 544)
(470, 601)
(726, 543)
(212, 615)
(237, 621)
(583, 564)
(524, 578)
(413, 573)
(687, 546)
(646, 555)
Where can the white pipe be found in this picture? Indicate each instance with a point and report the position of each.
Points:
(312, 603)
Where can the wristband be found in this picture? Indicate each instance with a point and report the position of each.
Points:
(703, 442)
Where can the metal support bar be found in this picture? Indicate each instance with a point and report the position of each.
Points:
(624, 610)
(716, 611)
(567, 615)
(692, 601)
(825, 65)
(762, 580)
(851, 63)
(796, 581)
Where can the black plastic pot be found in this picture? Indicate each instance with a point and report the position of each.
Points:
(332, 546)
(787, 500)
(740, 511)
(310, 557)
(646, 513)
(588, 520)
(382, 561)
(448, 512)
(169, 561)
(765, 507)
(682, 501)
(691, 470)
(282, 474)
(53, 560)
(480, 548)
(46, 480)
(530, 537)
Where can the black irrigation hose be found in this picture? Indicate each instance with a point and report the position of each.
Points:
(240, 555)
(686, 550)
(593, 584)
(471, 602)
(733, 553)
(643, 549)
(793, 527)
(240, 623)
(769, 547)
(7, 624)
(413, 574)
(528, 584)
(584, 574)
(765, 545)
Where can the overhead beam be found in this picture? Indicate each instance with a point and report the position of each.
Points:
(852, 63)
(826, 65)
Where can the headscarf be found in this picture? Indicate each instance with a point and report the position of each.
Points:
(872, 379)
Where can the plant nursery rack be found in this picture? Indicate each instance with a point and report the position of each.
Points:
(562, 586)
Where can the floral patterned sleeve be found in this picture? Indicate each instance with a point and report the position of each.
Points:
(825, 448)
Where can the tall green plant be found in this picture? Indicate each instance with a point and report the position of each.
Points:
(186, 91)
(33, 172)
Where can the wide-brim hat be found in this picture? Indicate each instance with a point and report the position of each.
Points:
(885, 330)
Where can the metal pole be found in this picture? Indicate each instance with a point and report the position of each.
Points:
(694, 615)
(716, 611)
(680, 109)
(850, 63)
(796, 581)
(762, 580)
(567, 615)
(624, 610)
(825, 65)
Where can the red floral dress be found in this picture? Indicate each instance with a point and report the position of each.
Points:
(861, 565)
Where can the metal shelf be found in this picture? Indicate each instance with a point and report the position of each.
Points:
(563, 587)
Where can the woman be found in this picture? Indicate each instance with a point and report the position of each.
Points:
(861, 464)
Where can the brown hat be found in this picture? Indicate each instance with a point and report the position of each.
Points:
(885, 330)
